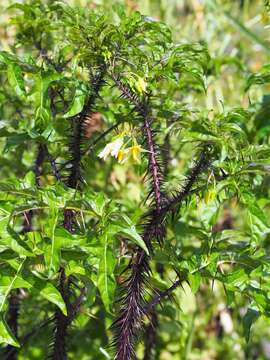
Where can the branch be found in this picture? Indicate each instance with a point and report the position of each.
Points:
(143, 109)
(151, 336)
(166, 293)
(178, 198)
(39, 161)
(75, 307)
(62, 321)
(132, 308)
(192, 177)
(100, 137)
(132, 303)
(53, 165)
(155, 167)
(59, 344)
(78, 129)
(161, 296)
(129, 95)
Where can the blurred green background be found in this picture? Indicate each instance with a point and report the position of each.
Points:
(237, 34)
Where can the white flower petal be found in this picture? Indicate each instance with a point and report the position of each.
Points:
(116, 146)
(105, 152)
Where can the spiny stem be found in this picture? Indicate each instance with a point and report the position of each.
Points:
(161, 296)
(165, 151)
(70, 220)
(132, 310)
(64, 321)
(154, 167)
(191, 179)
(133, 304)
(166, 293)
(39, 161)
(53, 165)
(78, 129)
(151, 336)
(128, 94)
(59, 349)
(142, 108)
(182, 194)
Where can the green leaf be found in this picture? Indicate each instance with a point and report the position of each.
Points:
(77, 102)
(75, 268)
(130, 232)
(258, 222)
(50, 293)
(15, 78)
(133, 235)
(194, 281)
(5, 290)
(7, 58)
(52, 251)
(43, 81)
(15, 140)
(209, 212)
(6, 335)
(237, 278)
(98, 203)
(14, 245)
(260, 78)
(64, 239)
(248, 320)
(106, 282)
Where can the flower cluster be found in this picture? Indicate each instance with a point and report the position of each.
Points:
(117, 148)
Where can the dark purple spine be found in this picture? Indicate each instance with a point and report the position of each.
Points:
(131, 312)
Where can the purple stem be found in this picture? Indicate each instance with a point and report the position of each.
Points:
(156, 180)
(133, 304)
(132, 310)
(162, 295)
(59, 349)
(78, 129)
(151, 338)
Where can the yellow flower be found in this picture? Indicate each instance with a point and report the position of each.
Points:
(112, 149)
(141, 85)
(116, 149)
(122, 156)
(133, 153)
(136, 153)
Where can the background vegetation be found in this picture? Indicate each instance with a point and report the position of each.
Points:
(212, 98)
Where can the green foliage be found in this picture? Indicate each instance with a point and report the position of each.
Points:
(217, 241)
